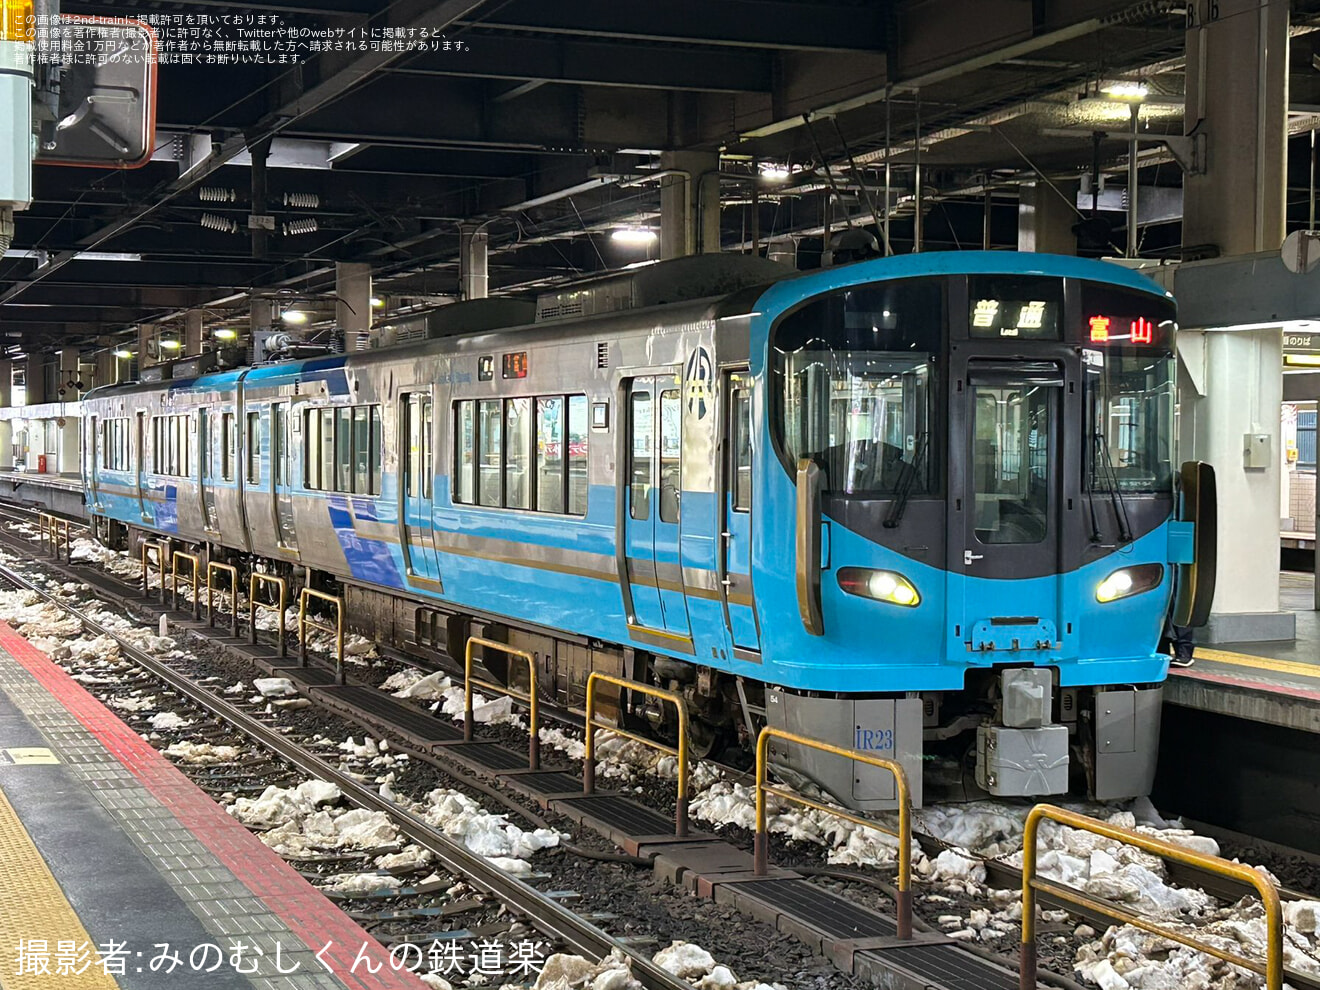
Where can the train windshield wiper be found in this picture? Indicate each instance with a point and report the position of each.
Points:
(905, 486)
(1115, 496)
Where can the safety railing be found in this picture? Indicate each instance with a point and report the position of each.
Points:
(305, 622)
(902, 792)
(52, 532)
(254, 606)
(528, 699)
(162, 553)
(212, 569)
(681, 751)
(1271, 969)
(194, 579)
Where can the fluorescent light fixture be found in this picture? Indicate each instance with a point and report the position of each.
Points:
(169, 344)
(293, 316)
(123, 355)
(377, 302)
(225, 334)
(774, 173)
(1302, 360)
(43, 256)
(1126, 90)
(636, 236)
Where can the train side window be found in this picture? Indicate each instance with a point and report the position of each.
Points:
(465, 446)
(326, 461)
(343, 450)
(377, 441)
(311, 449)
(671, 447)
(412, 423)
(489, 442)
(227, 446)
(576, 440)
(518, 441)
(741, 430)
(253, 450)
(640, 436)
(361, 450)
(550, 454)
(428, 453)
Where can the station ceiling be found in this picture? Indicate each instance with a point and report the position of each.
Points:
(545, 117)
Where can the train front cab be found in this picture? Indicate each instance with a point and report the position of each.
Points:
(986, 530)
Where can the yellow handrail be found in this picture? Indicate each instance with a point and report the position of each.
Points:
(196, 562)
(529, 699)
(337, 628)
(253, 605)
(161, 550)
(49, 529)
(212, 568)
(589, 758)
(902, 792)
(1272, 969)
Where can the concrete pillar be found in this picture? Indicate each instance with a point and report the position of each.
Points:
(353, 308)
(35, 378)
(473, 245)
(6, 426)
(145, 346)
(192, 333)
(107, 365)
(689, 204)
(1046, 214)
(1237, 96)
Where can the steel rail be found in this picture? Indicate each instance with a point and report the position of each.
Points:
(544, 913)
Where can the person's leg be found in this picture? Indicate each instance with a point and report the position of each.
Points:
(1183, 646)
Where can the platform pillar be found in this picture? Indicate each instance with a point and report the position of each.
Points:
(34, 377)
(689, 203)
(1046, 214)
(1231, 382)
(192, 333)
(6, 426)
(353, 307)
(145, 346)
(66, 439)
(473, 261)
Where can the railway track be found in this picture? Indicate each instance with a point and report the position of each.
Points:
(544, 913)
(583, 937)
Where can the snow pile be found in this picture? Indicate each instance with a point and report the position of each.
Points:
(202, 753)
(168, 722)
(275, 687)
(439, 688)
(729, 803)
(489, 835)
(562, 971)
(689, 961)
(361, 884)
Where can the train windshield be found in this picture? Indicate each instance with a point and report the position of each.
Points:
(855, 386)
(1129, 361)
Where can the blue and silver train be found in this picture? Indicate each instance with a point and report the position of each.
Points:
(926, 506)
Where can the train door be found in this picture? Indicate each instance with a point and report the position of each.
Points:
(281, 475)
(654, 439)
(735, 574)
(1009, 524)
(417, 476)
(207, 472)
(140, 462)
(92, 448)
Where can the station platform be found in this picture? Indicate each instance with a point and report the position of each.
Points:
(60, 493)
(1275, 683)
(120, 872)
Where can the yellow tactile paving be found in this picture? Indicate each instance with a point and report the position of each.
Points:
(1261, 663)
(32, 906)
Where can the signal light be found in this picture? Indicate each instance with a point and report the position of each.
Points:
(18, 21)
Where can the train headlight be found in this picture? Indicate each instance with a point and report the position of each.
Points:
(882, 586)
(1129, 581)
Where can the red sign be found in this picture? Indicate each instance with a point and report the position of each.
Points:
(1143, 331)
(1099, 328)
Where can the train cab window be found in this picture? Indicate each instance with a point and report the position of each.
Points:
(740, 431)
(253, 448)
(550, 454)
(518, 438)
(489, 442)
(578, 431)
(640, 434)
(671, 455)
(1013, 438)
(854, 386)
(465, 450)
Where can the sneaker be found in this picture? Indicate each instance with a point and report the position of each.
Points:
(1182, 660)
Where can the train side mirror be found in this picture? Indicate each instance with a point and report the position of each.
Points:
(1199, 505)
